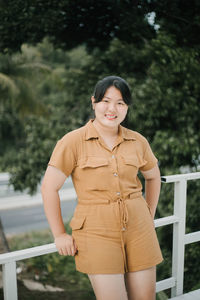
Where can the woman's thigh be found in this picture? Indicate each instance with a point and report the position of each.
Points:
(141, 284)
(108, 286)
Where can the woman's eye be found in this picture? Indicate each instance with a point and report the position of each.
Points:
(121, 103)
(104, 100)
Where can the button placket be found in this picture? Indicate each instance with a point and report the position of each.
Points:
(114, 164)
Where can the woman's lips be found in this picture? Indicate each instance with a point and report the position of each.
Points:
(110, 117)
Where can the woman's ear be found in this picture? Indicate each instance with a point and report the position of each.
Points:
(93, 102)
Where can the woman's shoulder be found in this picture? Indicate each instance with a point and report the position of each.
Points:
(73, 135)
(135, 135)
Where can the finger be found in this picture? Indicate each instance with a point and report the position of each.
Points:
(75, 248)
(64, 251)
(60, 252)
(73, 251)
(67, 250)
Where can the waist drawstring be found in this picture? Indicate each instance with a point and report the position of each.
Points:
(123, 213)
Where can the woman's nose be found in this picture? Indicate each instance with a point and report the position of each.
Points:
(112, 107)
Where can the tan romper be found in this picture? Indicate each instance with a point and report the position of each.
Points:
(112, 225)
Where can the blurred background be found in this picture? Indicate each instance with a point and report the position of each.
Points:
(52, 53)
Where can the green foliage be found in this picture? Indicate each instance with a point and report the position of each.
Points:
(170, 95)
(19, 74)
(63, 97)
(71, 23)
(161, 296)
(178, 18)
(16, 72)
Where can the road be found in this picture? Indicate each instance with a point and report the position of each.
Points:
(25, 219)
(20, 212)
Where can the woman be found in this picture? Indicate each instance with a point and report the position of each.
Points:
(113, 237)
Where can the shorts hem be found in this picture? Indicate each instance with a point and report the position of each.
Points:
(143, 267)
(100, 272)
(130, 269)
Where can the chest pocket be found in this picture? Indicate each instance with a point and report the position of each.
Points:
(131, 165)
(94, 171)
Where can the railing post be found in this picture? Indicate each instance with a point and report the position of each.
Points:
(178, 251)
(10, 281)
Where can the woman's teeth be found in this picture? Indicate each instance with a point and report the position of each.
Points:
(111, 116)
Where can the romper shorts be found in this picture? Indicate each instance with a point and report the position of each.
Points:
(114, 237)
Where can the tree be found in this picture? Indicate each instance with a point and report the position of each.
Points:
(95, 23)
(63, 94)
(179, 18)
(18, 98)
(16, 72)
(71, 23)
(170, 95)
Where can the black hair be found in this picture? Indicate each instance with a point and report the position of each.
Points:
(118, 82)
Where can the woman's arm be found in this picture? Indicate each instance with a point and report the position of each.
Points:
(52, 182)
(152, 188)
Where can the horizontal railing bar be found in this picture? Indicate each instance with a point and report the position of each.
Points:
(178, 177)
(50, 248)
(27, 253)
(166, 221)
(165, 284)
(192, 237)
(4, 177)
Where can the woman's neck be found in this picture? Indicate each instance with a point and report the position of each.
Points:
(105, 131)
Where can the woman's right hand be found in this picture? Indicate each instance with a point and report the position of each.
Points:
(65, 244)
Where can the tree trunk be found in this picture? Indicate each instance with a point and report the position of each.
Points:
(3, 241)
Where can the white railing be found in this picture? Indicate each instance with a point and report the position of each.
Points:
(180, 239)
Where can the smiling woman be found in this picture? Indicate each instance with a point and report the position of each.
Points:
(110, 103)
(113, 236)
(109, 112)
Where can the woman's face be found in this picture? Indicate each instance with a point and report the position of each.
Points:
(111, 110)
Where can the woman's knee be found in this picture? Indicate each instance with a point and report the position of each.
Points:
(141, 285)
(108, 286)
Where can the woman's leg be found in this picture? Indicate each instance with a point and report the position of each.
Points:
(108, 286)
(141, 285)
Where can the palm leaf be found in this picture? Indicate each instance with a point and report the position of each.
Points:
(7, 83)
(35, 66)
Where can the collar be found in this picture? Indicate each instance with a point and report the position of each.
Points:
(91, 132)
(126, 134)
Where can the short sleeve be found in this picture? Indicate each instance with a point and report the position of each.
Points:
(150, 160)
(63, 156)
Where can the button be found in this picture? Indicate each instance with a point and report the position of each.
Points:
(118, 193)
(123, 229)
(113, 156)
(115, 174)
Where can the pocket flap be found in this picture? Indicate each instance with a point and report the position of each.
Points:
(134, 160)
(94, 162)
(77, 223)
(131, 160)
